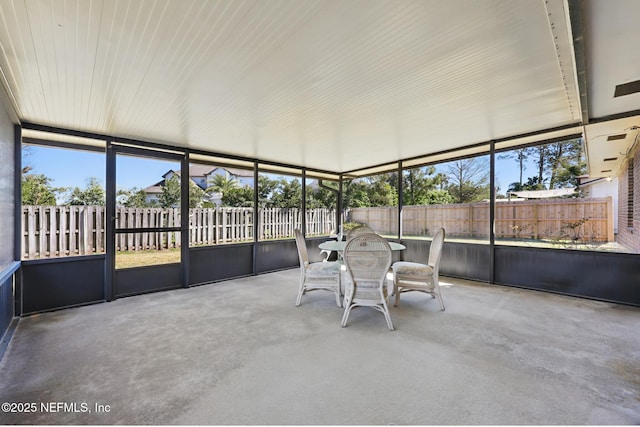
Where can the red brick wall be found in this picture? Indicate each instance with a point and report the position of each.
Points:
(629, 237)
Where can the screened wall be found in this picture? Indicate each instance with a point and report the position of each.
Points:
(240, 216)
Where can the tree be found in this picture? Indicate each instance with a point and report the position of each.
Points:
(418, 183)
(565, 162)
(381, 192)
(468, 179)
(321, 197)
(238, 197)
(515, 186)
(287, 194)
(37, 190)
(222, 184)
(532, 184)
(558, 164)
(266, 187)
(438, 197)
(377, 190)
(171, 194)
(443, 181)
(92, 195)
(540, 153)
(196, 196)
(135, 198)
(355, 194)
(520, 155)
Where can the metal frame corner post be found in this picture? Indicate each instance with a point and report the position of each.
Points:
(400, 205)
(110, 237)
(256, 217)
(185, 218)
(303, 217)
(17, 216)
(492, 210)
(17, 191)
(339, 205)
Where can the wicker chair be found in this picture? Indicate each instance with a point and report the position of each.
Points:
(318, 275)
(367, 257)
(356, 231)
(413, 276)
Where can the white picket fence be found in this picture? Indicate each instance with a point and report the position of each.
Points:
(59, 231)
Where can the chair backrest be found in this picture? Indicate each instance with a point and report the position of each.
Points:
(302, 248)
(368, 258)
(435, 251)
(356, 231)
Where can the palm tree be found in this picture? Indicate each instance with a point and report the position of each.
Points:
(222, 184)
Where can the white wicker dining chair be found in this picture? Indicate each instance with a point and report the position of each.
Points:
(317, 275)
(413, 276)
(368, 258)
(356, 231)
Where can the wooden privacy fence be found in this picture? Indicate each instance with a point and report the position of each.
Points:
(142, 218)
(58, 231)
(586, 220)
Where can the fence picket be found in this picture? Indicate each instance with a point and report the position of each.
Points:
(53, 231)
(31, 231)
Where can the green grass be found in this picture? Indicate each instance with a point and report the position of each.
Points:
(168, 256)
(132, 259)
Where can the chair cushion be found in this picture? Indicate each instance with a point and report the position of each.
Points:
(323, 268)
(365, 290)
(412, 269)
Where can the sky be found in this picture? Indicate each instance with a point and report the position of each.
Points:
(73, 168)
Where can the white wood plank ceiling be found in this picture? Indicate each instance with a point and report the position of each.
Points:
(334, 85)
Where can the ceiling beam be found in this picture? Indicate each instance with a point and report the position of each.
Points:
(576, 14)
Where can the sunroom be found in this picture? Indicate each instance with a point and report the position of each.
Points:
(159, 146)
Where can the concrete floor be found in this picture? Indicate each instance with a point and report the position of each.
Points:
(240, 352)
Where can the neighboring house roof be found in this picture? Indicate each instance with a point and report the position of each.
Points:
(194, 171)
(236, 172)
(153, 189)
(197, 171)
(201, 170)
(544, 194)
(204, 170)
(169, 172)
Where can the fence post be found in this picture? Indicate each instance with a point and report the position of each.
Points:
(225, 234)
(100, 212)
(53, 212)
(62, 236)
(210, 237)
(82, 223)
(248, 219)
(73, 231)
(42, 237)
(536, 222)
(610, 230)
(24, 242)
(31, 220)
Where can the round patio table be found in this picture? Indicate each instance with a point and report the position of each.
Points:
(333, 245)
